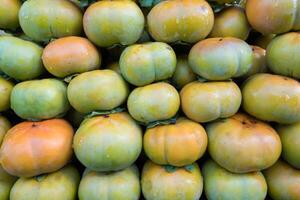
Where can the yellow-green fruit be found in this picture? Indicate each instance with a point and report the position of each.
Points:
(97, 90)
(223, 1)
(221, 58)
(6, 182)
(107, 23)
(160, 183)
(243, 144)
(283, 182)
(259, 64)
(281, 54)
(5, 92)
(272, 98)
(5, 125)
(43, 20)
(264, 40)
(157, 101)
(142, 64)
(9, 10)
(204, 102)
(221, 184)
(290, 139)
(59, 185)
(115, 67)
(231, 22)
(180, 20)
(123, 185)
(183, 73)
(177, 144)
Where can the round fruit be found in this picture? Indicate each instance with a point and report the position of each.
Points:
(59, 185)
(272, 98)
(222, 184)
(160, 183)
(259, 64)
(5, 125)
(108, 143)
(6, 183)
(43, 20)
(142, 64)
(115, 67)
(5, 92)
(9, 10)
(20, 59)
(231, 22)
(207, 101)
(124, 184)
(243, 144)
(70, 55)
(281, 54)
(180, 20)
(97, 90)
(107, 23)
(283, 181)
(176, 144)
(34, 148)
(273, 16)
(157, 101)
(264, 40)
(40, 99)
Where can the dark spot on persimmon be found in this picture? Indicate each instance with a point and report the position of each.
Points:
(221, 39)
(34, 125)
(106, 116)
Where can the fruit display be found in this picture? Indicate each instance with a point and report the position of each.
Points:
(149, 100)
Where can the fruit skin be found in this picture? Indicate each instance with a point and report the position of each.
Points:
(107, 23)
(92, 91)
(157, 101)
(45, 147)
(115, 67)
(6, 182)
(9, 10)
(142, 64)
(243, 144)
(283, 181)
(290, 138)
(122, 184)
(259, 64)
(70, 55)
(20, 59)
(222, 184)
(231, 22)
(264, 40)
(224, 100)
(180, 20)
(180, 184)
(43, 20)
(272, 98)
(108, 143)
(281, 54)
(40, 99)
(221, 58)
(5, 125)
(273, 16)
(5, 91)
(177, 144)
(59, 185)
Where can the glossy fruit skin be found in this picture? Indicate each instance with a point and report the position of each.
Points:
(9, 10)
(272, 98)
(181, 184)
(177, 144)
(108, 143)
(273, 16)
(142, 64)
(107, 23)
(59, 185)
(157, 101)
(5, 125)
(283, 181)
(6, 182)
(222, 184)
(224, 100)
(242, 144)
(5, 91)
(45, 147)
(92, 91)
(20, 59)
(259, 64)
(221, 58)
(70, 55)
(180, 20)
(231, 22)
(40, 99)
(281, 54)
(290, 138)
(122, 184)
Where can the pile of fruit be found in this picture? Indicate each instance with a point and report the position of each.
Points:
(149, 99)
